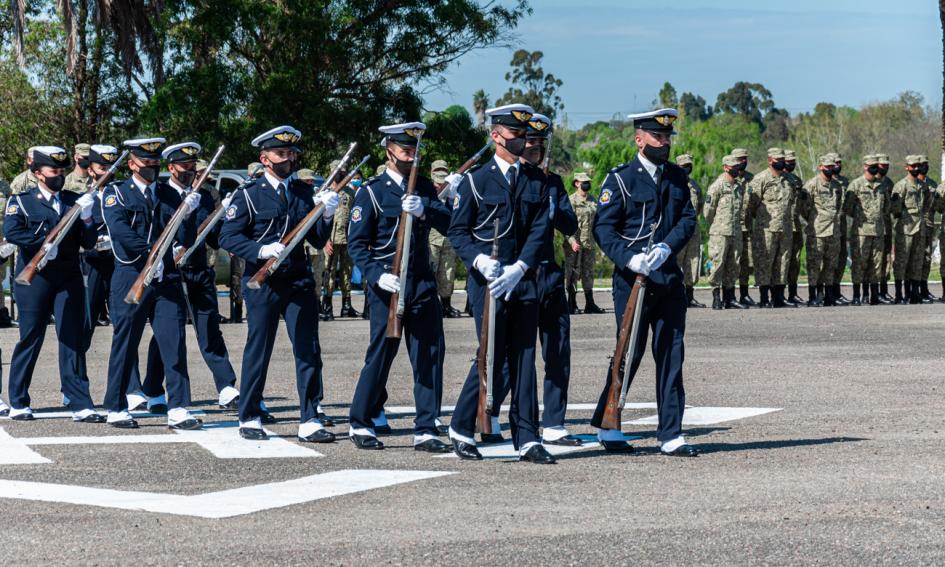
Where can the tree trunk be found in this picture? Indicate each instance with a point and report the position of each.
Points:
(80, 74)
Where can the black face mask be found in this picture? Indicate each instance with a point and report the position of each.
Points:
(883, 169)
(838, 169)
(657, 155)
(789, 166)
(828, 172)
(83, 163)
(873, 169)
(148, 173)
(778, 165)
(54, 184)
(585, 186)
(515, 146)
(186, 177)
(283, 169)
(735, 171)
(924, 169)
(687, 169)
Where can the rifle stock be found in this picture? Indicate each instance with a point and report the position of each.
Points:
(55, 236)
(441, 187)
(164, 241)
(401, 263)
(295, 236)
(485, 358)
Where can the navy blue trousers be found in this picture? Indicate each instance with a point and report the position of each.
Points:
(554, 332)
(664, 313)
(516, 327)
(297, 302)
(202, 296)
(423, 333)
(62, 295)
(163, 304)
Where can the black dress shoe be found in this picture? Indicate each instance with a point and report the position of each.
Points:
(566, 441)
(617, 446)
(267, 417)
(234, 405)
(191, 424)
(253, 434)
(92, 418)
(326, 421)
(23, 417)
(442, 430)
(491, 437)
(538, 455)
(368, 442)
(320, 436)
(158, 409)
(4, 412)
(432, 446)
(682, 451)
(382, 429)
(466, 451)
(125, 424)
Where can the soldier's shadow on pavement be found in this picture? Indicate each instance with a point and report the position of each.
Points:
(780, 444)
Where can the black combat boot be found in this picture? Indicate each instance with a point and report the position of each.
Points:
(448, 310)
(765, 303)
(866, 293)
(744, 298)
(690, 294)
(942, 299)
(716, 300)
(729, 299)
(347, 310)
(328, 310)
(924, 292)
(813, 299)
(793, 298)
(874, 294)
(589, 305)
(572, 303)
(899, 299)
(826, 292)
(237, 317)
(838, 295)
(878, 294)
(856, 295)
(884, 292)
(915, 293)
(5, 321)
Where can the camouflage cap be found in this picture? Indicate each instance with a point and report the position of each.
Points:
(305, 175)
(739, 153)
(684, 159)
(202, 164)
(254, 169)
(912, 160)
(439, 165)
(730, 160)
(828, 159)
(833, 155)
(335, 164)
(581, 176)
(775, 153)
(82, 150)
(923, 158)
(380, 169)
(870, 159)
(882, 159)
(789, 155)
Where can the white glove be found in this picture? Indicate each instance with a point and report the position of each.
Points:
(192, 200)
(103, 243)
(638, 264)
(177, 250)
(52, 250)
(488, 267)
(225, 203)
(389, 282)
(658, 254)
(411, 204)
(504, 284)
(453, 180)
(330, 201)
(7, 249)
(85, 203)
(271, 250)
(159, 270)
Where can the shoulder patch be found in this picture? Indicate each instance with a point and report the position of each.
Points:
(13, 209)
(231, 212)
(456, 202)
(605, 196)
(356, 214)
(708, 199)
(111, 201)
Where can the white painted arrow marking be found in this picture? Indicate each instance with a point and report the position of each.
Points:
(708, 415)
(221, 504)
(219, 438)
(506, 450)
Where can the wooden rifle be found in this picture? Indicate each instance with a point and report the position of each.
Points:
(401, 263)
(442, 188)
(485, 358)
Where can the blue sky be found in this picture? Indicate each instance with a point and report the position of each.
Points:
(614, 55)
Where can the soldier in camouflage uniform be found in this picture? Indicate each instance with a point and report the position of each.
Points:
(745, 266)
(823, 233)
(316, 256)
(25, 179)
(933, 209)
(772, 212)
(238, 265)
(802, 207)
(442, 254)
(886, 185)
(579, 249)
(909, 199)
(690, 258)
(724, 204)
(844, 251)
(79, 180)
(940, 205)
(868, 206)
(336, 252)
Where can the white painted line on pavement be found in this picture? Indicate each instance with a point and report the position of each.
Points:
(68, 414)
(708, 415)
(220, 504)
(15, 452)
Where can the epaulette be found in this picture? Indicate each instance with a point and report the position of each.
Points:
(476, 167)
(620, 167)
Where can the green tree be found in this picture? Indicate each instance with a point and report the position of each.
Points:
(450, 136)
(667, 96)
(480, 105)
(751, 100)
(694, 107)
(531, 85)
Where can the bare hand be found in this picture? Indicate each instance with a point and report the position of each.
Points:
(575, 247)
(329, 248)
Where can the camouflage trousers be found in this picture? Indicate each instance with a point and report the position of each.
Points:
(316, 258)
(867, 253)
(690, 259)
(237, 267)
(339, 268)
(929, 248)
(941, 250)
(443, 258)
(910, 253)
(580, 263)
(887, 262)
(771, 255)
(843, 252)
(725, 252)
(794, 258)
(822, 260)
(745, 263)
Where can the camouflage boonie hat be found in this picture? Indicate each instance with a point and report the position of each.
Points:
(730, 160)
(684, 159)
(82, 150)
(828, 159)
(305, 175)
(870, 159)
(789, 155)
(581, 176)
(255, 169)
(440, 165)
(739, 153)
(882, 159)
(775, 153)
